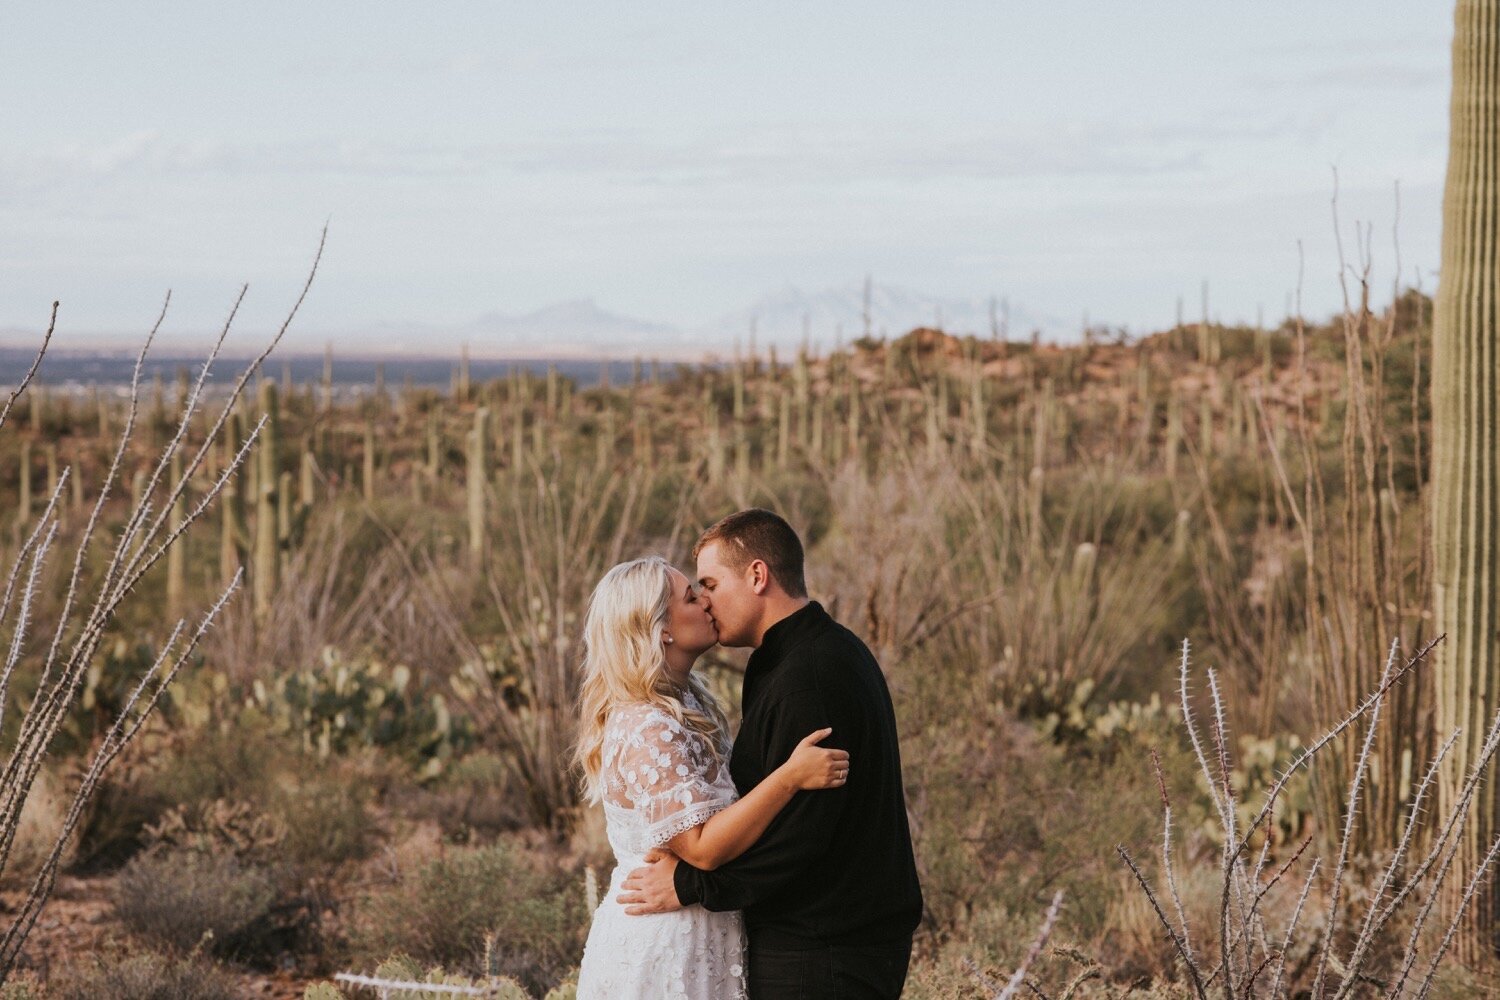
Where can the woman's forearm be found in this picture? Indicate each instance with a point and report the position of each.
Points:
(728, 833)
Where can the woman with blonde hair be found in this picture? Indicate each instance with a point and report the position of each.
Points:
(653, 747)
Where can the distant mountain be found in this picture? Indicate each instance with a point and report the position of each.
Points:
(580, 329)
(838, 313)
(574, 329)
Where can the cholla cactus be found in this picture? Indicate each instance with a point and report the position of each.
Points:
(401, 978)
(1391, 944)
(90, 606)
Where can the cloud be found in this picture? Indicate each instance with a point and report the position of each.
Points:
(810, 154)
(1361, 76)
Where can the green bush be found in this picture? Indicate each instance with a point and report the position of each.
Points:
(327, 822)
(473, 801)
(195, 769)
(405, 969)
(22, 987)
(147, 976)
(1050, 816)
(242, 790)
(442, 913)
(181, 898)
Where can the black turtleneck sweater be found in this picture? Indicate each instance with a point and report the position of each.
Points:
(836, 866)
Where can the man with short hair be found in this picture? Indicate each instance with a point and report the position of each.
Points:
(829, 893)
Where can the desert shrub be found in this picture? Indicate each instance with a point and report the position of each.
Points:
(177, 898)
(326, 820)
(1131, 944)
(41, 823)
(104, 690)
(472, 801)
(1050, 816)
(222, 761)
(22, 986)
(342, 586)
(146, 976)
(238, 789)
(113, 826)
(441, 913)
(991, 940)
(191, 769)
(403, 968)
(241, 829)
(294, 851)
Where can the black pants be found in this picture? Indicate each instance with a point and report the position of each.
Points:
(841, 972)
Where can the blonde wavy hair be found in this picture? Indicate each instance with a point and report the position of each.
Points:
(625, 663)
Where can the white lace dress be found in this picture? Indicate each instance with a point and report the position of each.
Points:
(659, 779)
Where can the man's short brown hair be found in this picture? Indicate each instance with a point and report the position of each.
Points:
(759, 534)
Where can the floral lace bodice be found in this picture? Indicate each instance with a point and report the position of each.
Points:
(658, 777)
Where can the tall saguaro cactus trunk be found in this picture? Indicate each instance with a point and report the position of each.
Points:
(1466, 445)
(267, 542)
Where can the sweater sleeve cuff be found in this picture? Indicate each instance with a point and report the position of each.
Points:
(685, 881)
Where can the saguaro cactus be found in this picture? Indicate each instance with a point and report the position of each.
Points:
(801, 397)
(235, 530)
(434, 454)
(1466, 438)
(978, 414)
(267, 542)
(23, 500)
(177, 554)
(36, 410)
(477, 476)
(51, 467)
(856, 410)
(1173, 441)
(328, 378)
(783, 427)
(741, 427)
(934, 430)
(367, 476)
(158, 408)
(715, 446)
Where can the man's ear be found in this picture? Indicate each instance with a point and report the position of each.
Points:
(760, 576)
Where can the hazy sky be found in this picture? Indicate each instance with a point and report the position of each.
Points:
(676, 161)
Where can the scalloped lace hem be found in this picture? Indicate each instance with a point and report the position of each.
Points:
(684, 821)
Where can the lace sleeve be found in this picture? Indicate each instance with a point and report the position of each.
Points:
(665, 773)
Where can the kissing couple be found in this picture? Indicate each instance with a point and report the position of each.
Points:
(776, 869)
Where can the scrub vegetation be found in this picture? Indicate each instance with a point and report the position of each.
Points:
(1119, 589)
